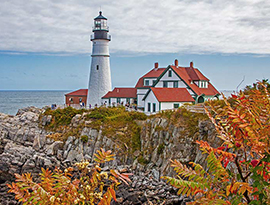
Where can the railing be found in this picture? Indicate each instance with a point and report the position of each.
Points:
(107, 37)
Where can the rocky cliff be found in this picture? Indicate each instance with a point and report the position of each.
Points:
(26, 146)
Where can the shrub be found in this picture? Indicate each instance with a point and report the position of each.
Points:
(94, 186)
(238, 172)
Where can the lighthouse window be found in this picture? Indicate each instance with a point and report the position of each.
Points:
(97, 67)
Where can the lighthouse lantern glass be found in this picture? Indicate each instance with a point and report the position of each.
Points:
(101, 24)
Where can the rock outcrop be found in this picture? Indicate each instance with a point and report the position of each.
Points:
(25, 147)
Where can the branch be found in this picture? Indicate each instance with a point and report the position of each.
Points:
(242, 177)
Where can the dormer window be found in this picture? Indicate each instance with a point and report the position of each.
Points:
(170, 73)
(146, 82)
(203, 84)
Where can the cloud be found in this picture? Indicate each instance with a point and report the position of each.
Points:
(152, 26)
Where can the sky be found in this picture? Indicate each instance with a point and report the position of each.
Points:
(44, 44)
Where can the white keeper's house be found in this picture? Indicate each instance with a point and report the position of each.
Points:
(165, 88)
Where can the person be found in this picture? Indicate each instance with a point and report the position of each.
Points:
(89, 106)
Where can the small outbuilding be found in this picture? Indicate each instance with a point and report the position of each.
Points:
(76, 97)
(120, 96)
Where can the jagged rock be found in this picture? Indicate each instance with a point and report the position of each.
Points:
(46, 120)
(24, 147)
(53, 148)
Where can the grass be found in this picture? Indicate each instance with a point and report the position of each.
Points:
(184, 118)
(115, 122)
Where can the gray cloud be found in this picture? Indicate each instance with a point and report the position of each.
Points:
(152, 26)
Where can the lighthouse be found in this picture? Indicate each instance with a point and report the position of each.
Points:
(100, 72)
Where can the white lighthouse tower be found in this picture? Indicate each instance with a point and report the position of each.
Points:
(100, 72)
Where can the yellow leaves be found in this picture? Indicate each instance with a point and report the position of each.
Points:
(57, 188)
(238, 188)
(103, 156)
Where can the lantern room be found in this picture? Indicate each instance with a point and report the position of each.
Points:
(100, 28)
(100, 23)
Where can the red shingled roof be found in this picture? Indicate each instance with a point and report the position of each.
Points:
(182, 72)
(172, 95)
(81, 92)
(154, 73)
(122, 93)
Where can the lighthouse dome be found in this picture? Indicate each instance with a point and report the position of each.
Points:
(100, 16)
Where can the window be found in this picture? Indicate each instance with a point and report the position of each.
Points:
(146, 82)
(149, 107)
(97, 67)
(176, 105)
(175, 84)
(154, 107)
(170, 73)
(118, 100)
(165, 84)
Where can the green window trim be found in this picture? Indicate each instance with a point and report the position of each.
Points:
(175, 84)
(165, 84)
(176, 105)
(149, 107)
(170, 73)
(154, 107)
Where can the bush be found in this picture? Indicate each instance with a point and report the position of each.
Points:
(238, 172)
(93, 186)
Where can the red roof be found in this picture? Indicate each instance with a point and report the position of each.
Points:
(122, 93)
(81, 92)
(172, 95)
(188, 78)
(200, 75)
(154, 73)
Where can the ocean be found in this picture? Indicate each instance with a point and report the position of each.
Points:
(11, 101)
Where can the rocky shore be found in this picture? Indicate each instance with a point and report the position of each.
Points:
(25, 147)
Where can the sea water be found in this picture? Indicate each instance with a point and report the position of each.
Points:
(11, 101)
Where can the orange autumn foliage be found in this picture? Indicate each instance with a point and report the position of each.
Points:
(93, 186)
(238, 171)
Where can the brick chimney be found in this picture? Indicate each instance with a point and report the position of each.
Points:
(191, 64)
(156, 65)
(176, 63)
